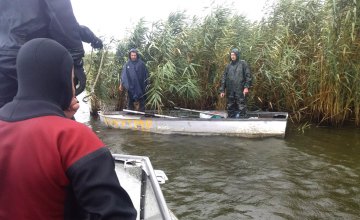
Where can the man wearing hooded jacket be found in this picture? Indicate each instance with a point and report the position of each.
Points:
(52, 167)
(23, 20)
(134, 77)
(236, 82)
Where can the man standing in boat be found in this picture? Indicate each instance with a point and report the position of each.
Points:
(134, 77)
(236, 82)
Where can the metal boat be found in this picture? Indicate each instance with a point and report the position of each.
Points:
(141, 181)
(256, 124)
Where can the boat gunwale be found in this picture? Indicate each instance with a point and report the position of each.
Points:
(146, 165)
(142, 117)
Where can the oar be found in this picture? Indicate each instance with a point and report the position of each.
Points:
(204, 112)
(143, 113)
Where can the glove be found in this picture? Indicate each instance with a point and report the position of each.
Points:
(97, 43)
(80, 77)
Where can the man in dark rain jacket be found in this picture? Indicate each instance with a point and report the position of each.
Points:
(23, 20)
(134, 77)
(52, 167)
(236, 81)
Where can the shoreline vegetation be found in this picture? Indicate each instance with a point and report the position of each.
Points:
(304, 58)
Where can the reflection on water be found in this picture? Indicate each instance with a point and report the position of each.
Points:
(305, 176)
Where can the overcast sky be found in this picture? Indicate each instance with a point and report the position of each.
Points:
(112, 18)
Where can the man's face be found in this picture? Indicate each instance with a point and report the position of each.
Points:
(233, 56)
(133, 56)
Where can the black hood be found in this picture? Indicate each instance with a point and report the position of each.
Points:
(237, 52)
(44, 69)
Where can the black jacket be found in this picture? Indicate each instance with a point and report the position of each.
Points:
(23, 20)
(236, 77)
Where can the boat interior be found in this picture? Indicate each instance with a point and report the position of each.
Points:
(137, 176)
(199, 114)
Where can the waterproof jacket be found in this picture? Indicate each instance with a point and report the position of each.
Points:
(236, 77)
(134, 77)
(23, 20)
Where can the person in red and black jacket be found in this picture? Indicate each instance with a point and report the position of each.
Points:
(52, 167)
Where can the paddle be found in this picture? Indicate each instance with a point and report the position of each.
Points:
(204, 112)
(143, 113)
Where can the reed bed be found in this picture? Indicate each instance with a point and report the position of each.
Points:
(303, 57)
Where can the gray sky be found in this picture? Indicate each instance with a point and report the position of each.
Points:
(112, 18)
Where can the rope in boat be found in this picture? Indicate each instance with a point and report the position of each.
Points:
(86, 98)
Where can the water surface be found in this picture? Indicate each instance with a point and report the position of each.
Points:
(315, 175)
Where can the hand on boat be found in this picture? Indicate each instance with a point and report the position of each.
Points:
(74, 106)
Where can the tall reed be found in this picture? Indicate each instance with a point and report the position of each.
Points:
(303, 56)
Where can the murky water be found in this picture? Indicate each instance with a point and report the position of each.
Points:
(315, 175)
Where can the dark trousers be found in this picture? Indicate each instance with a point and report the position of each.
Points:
(131, 102)
(236, 105)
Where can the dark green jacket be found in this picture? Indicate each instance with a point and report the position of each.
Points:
(236, 77)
